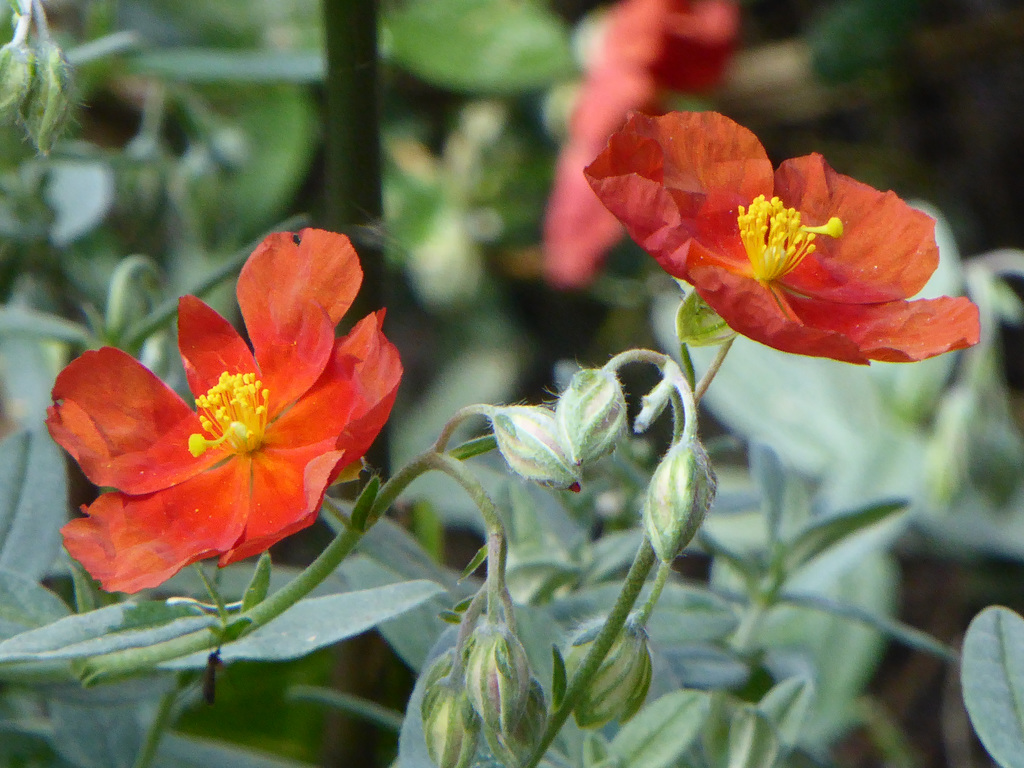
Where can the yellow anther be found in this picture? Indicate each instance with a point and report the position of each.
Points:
(234, 413)
(774, 239)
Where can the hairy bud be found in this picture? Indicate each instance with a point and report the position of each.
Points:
(16, 65)
(529, 439)
(451, 727)
(619, 687)
(497, 678)
(46, 110)
(591, 414)
(678, 498)
(513, 747)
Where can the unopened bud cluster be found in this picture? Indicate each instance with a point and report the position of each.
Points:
(451, 727)
(678, 498)
(618, 688)
(35, 84)
(505, 695)
(551, 447)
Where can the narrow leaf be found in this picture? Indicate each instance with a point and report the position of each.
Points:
(364, 709)
(770, 476)
(478, 558)
(786, 705)
(26, 604)
(752, 740)
(558, 677)
(318, 622)
(823, 533)
(33, 502)
(364, 504)
(256, 592)
(475, 447)
(661, 732)
(898, 631)
(992, 677)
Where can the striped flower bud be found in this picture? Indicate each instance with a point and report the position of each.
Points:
(48, 106)
(16, 64)
(591, 414)
(529, 439)
(619, 687)
(451, 727)
(678, 498)
(497, 679)
(512, 748)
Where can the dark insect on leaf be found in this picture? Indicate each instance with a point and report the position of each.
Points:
(210, 677)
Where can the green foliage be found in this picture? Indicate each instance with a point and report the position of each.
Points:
(993, 683)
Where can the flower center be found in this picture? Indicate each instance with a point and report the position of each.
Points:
(775, 240)
(234, 412)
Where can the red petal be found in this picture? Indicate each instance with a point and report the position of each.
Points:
(130, 543)
(898, 331)
(288, 487)
(680, 176)
(350, 403)
(123, 425)
(699, 38)
(282, 278)
(209, 345)
(750, 309)
(887, 250)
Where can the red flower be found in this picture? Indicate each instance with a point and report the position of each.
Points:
(804, 259)
(274, 427)
(648, 46)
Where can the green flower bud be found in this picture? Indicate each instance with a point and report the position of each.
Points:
(698, 325)
(512, 748)
(451, 727)
(591, 414)
(497, 678)
(618, 688)
(529, 439)
(16, 65)
(45, 112)
(678, 497)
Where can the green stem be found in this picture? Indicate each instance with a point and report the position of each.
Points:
(441, 444)
(712, 370)
(644, 614)
(156, 729)
(631, 588)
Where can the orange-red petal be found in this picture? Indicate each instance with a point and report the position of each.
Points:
(130, 543)
(283, 277)
(887, 250)
(125, 427)
(680, 176)
(209, 345)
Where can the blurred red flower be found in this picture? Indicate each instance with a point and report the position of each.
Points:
(274, 428)
(648, 46)
(804, 259)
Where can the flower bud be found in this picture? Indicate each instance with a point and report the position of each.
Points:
(619, 687)
(46, 110)
(529, 439)
(698, 325)
(16, 64)
(591, 414)
(511, 749)
(497, 678)
(451, 727)
(678, 497)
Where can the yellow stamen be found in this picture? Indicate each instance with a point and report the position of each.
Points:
(234, 413)
(774, 239)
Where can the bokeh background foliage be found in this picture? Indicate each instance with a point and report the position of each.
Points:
(855, 505)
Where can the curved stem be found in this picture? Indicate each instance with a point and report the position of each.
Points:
(644, 614)
(712, 370)
(441, 444)
(634, 583)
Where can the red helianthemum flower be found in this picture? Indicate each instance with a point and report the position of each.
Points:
(802, 259)
(274, 427)
(648, 46)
